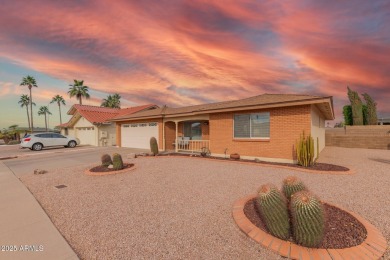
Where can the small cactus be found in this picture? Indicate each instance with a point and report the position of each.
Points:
(117, 162)
(308, 219)
(106, 160)
(292, 184)
(153, 146)
(272, 206)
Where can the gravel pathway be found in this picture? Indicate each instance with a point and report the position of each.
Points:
(180, 208)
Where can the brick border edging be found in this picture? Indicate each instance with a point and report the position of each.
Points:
(349, 172)
(373, 247)
(88, 172)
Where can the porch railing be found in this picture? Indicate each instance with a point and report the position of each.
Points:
(193, 145)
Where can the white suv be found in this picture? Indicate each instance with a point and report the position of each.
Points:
(39, 140)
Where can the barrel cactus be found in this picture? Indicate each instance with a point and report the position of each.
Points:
(272, 206)
(117, 161)
(153, 146)
(106, 160)
(292, 184)
(308, 219)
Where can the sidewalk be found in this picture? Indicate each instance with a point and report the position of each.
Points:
(24, 226)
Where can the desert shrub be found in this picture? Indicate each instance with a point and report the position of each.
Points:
(13, 142)
(117, 161)
(153, 146)
(106, 160)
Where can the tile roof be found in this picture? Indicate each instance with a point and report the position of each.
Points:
(95, 114)
(265, 99)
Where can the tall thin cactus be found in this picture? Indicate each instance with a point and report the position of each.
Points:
(305, 150)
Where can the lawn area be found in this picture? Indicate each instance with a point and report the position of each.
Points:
(175, 208)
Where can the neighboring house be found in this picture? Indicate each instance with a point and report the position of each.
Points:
(265, 126)
(91, 126)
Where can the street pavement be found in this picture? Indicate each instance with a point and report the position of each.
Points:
(27, 161)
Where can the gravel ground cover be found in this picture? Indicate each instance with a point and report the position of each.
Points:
(181, 208)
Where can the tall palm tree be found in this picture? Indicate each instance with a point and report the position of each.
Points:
(44, 110)
(30, 82)
(60, 100)
(24, 101)
(78, 90)
(112, 101)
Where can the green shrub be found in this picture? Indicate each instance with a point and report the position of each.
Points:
(272, 206)
(117, 161)
(153, 146)
(305, 150)
(106, 160)
(13, 142)
(308, 219)
(292, 184)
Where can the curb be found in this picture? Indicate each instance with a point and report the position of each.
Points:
(373, 247)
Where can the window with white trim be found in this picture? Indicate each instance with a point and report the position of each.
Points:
(255, 126)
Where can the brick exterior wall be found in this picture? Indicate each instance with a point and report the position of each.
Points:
(286, 124)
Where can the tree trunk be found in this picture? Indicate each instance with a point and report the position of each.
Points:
(45, 122)
(59, 108)
(80, 100)
(31, 110)
(28, 117)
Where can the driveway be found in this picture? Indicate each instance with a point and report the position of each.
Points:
(54, 158)
(180, 208)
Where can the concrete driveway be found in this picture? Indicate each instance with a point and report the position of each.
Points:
(54, 158)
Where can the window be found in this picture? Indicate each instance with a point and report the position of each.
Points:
(254, 126)
(193, 130)
(58, 136)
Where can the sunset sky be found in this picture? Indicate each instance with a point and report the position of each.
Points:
(191, 52)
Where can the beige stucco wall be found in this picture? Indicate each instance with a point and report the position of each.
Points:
(317, 128)
(82, 122)
(111, 135)
(70, 132)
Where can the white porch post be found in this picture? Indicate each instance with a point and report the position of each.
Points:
(176, 142)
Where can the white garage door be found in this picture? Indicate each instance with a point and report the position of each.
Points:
(138, 135)
(86, 135)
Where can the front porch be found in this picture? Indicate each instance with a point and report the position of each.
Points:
(190, 134)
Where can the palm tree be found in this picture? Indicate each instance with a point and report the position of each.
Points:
(78, 90)
(59, 99)
(24, 101)
(30, 82)
(112, 101)
(44, 110)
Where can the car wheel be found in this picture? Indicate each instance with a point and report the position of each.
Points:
(37, 147)
(72, 144)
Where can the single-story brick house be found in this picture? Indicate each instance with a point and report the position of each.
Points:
(91, 126)
(265, 126)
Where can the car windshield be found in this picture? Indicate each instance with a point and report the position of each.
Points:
(27, 136)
